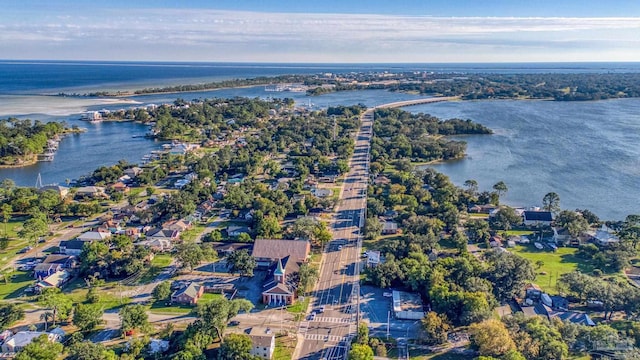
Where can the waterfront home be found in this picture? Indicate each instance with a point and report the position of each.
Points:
(188, 295)
(537, 218)
(133, 172)
(60, 190)
(21, 339)
(263, 342)
(120, 187)
(90, 192)
(604, 236)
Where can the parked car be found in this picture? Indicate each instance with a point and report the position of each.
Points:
(234, 323)
(321, 309)
(25, 249)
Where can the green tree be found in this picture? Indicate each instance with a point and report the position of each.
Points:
(363, 334)
(268, 227)
(472, 186)
(360, 352)
(34, 227)
(87, 317)
(551, 202)
(236, 347)
(308, 275)
(241, 262)
(134, 317)
(501, 188)
(58, 303)
(215, 315)
(87, 350)
(436, 328)
(40, 349)
(10, 313)
(6, 211)
(372, 228)
(491, 338)
(162, 291)
(189, 254)
(506, 218)
(477, 230)
(575, 223)
(509, 273)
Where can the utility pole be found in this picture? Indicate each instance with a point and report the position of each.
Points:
(388, 322)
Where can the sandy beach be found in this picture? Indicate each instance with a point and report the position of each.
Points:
(20, 105)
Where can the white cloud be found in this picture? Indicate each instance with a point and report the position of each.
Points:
(170, 34)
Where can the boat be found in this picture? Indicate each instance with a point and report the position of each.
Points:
(538, 245)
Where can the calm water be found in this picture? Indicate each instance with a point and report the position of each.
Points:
(587, 152)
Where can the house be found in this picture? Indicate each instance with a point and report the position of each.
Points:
(120, 187)
(604, 236)
(389, 228)
(67, 261)
(495, 241)
(182, 148)
(133, 172)
(228, 248)
(90, 192)
(373, 258)
(94, 236)
(321, 193)
(43, 270)
(533, 291)
(166, 234)
(21, 339)
(537, 218)
(561, 235)
(60, 190)
(188, 295)
(236, 230)
(179, 225)
(158, 346)
(72, 247)
(263, 342)
(482, 209)
(54, 280)
(157, 245)
(382, 180)
(407, 306)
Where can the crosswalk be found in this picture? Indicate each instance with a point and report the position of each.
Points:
(327, 338)
(332, 319)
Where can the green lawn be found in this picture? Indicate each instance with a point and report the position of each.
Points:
(556, 263)
(299, 307)
(519, 232)
(18, 281)
(158, 263)
(159, 307)
(284, 347)
(109, 294)
(192, 233)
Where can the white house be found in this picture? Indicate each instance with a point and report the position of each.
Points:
(21, 339)
(264, 342)
(605, 236)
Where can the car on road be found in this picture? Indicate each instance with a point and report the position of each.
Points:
(25, 249)
(312, 316)
(339, 247)
(234, 323)
(321, 309)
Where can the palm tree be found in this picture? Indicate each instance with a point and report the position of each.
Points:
(45, 316)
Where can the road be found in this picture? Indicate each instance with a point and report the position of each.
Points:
(328, 335)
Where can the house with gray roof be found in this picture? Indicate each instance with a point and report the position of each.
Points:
(188, 295)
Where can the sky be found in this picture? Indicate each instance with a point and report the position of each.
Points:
(327, 31)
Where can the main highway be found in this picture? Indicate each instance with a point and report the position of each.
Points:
(327, 334)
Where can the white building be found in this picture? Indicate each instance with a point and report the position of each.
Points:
(264, 342)
(21, 339)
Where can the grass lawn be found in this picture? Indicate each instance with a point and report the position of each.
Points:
(192, 233)
(284, 347)
(109, 294)
(519, 232)
(556, 263)
(18, 281)
(160, 307)
(158, 263)
(300, 306)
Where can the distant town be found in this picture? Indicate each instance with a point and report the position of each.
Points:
(268, 230)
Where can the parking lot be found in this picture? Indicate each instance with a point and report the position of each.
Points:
(377, 310)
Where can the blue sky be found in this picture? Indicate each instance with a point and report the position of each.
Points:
(322, 31)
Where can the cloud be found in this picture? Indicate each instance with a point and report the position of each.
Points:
(253, 36)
